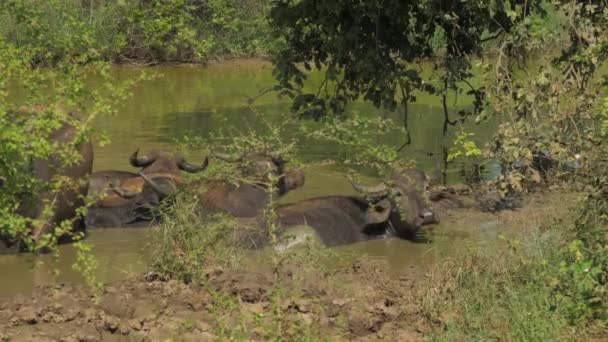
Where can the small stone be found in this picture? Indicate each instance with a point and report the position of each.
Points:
(71, 314)
(6, 315)
(57, 307)
(87, 338)
(302, 306)
(111, 324)
(340, 302)
(307, 319)
(90, 315)
(256, 308)
(204, 326)
(124, 330)
(135, 324)
(28, 316)
(207, 336)
(139, 337)
(71, 338)
(117, 306)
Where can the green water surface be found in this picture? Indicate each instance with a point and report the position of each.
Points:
(199, 101)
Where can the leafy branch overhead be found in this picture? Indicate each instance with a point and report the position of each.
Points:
(367, 48)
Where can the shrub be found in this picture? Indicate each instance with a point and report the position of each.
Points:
(188, 244)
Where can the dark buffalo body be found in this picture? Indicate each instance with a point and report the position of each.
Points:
(127, 198)
(338, 220)
(249, 199)
(67, 201)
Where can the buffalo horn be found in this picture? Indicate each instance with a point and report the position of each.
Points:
(140, 161)
(228, 158)
(153, 184)
(184, 165)
(379, 190)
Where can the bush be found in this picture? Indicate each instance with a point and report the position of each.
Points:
(496, 295)
(188, 244)
(151, 31)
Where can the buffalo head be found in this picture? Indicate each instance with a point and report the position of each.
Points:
(141, 204)
(162, 162)
(410, 210)
(263, 166)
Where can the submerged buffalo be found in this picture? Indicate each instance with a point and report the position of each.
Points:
(66, 202)
(249, 199)
(339, 220)
(127, 198)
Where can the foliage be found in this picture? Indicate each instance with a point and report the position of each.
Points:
(365, 50)
(37, 111)
(357, 138)
(187, 244)
(268, 139)
(86, 264)
(151, 31)
(50, 30)
(557, 107)
(602, 117)
(43, 77)
(499, 294)
(464, 146)
(552, 104)
(581, 287)
(165, 30)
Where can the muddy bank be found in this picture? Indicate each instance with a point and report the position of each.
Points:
(356, 301)
(228, 304)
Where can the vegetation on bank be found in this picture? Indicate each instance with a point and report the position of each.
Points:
(134, 31)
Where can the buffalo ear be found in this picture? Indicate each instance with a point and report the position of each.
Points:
(379, 212)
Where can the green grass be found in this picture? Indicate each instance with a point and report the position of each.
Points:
(186, 243)
(500, 294)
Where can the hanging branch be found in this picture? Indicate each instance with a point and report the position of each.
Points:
(444, 102)
(405, 94)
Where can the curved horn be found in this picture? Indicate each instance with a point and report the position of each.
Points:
(140, 161)
(228, 158)
(154, 185)
(379, 190)
(185, 166)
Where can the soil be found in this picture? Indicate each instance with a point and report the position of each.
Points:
(141, 309)
(359, 301)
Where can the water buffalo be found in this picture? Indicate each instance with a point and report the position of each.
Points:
(339, 220)
(411, 205)
(249, 199)
(64, 204)
(126, 198)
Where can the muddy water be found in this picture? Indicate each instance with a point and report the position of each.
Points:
(202, 101)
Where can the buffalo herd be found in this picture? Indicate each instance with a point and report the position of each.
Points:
(396, 209)
(131, 199)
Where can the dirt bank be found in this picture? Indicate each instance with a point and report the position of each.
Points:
(229, 304)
